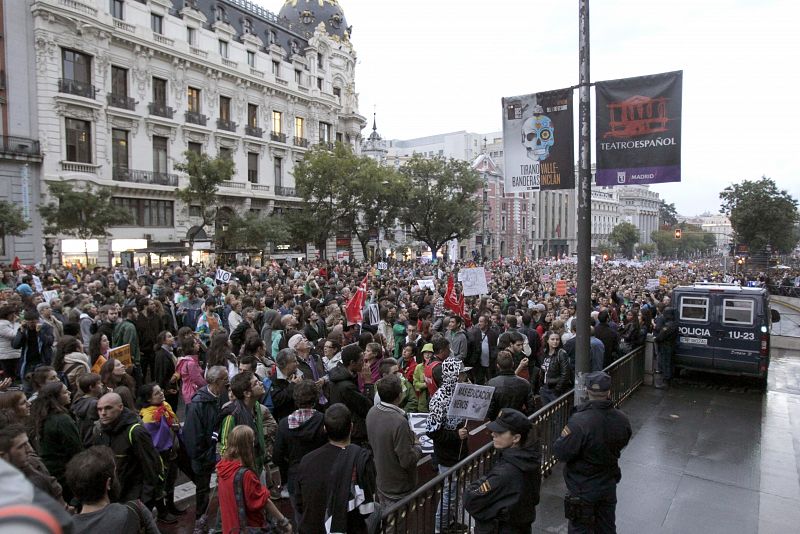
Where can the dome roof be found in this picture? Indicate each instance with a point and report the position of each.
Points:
(303, 17)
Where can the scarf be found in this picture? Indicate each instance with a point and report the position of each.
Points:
(440, 402)
(158, 420)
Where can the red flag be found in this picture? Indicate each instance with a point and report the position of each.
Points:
(356, 303)
(16, 265)
(451, 301)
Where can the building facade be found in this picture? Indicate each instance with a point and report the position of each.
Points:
(124, 88)
(639, 206)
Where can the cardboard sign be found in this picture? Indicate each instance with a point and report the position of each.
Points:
(223, 276)
(50, 295)
(470, 401)
(419, 426)
(561, 288)
(140, 271)
(662, 280)
(651, 284)
(373, 314)
(473, 281)
(122, 354)
(382, 265)
(37, 284)
(426, 284)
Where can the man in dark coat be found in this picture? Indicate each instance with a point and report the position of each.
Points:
(605, 333)
(510, 390)
(666, 333)
(344, 389)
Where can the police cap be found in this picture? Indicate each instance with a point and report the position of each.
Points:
(598, 382)
(511, 420)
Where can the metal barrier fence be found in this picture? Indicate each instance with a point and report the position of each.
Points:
(784, 291)
(418, 512)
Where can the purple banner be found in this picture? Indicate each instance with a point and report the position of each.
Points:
(640, 175)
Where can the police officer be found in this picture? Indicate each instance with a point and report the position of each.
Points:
(504, 500)
(590, 444)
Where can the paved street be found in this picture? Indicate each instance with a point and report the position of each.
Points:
(789, 325)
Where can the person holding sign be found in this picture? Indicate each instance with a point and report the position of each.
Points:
(504, 500)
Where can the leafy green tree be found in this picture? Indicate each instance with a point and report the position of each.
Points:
(625, 236)
(12, 220)
(439, 201)
(761, 214)
(81, 212)
(693, 241)
(667, 215)
(665, 243)
(253, 231)
(205, 175)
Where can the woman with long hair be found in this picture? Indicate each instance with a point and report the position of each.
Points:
(631, 335)
(164, 363)
(16, 404)
(53, 431)
(220, 353)
(188, 367)
(555, 369)
(98, 351)
(237, 467)
(70, 361)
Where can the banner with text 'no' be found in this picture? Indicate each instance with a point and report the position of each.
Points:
(638, 139)
(538, 142)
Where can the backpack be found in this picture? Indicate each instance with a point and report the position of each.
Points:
(238, 491)
(64, 376)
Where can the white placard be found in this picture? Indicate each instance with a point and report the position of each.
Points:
(659, 274)
(473, 281)
(419, 426)
(223, 275)
(470, 401)
(373, 314)
(426, 284)
(49, 295)
(382, 265)
(651, 284)
(37, 284)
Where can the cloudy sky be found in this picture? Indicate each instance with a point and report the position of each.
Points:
(436, 66)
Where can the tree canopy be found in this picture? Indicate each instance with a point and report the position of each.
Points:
(205, 175)
(253, 231)
(12, 220)
(693, 241)
(761, 214)
(667, 215)
(625, 235)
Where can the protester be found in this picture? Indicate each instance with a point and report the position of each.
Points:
(556, 373)
(344, 390)
(188, 367)
(247, 391)
(510, 390)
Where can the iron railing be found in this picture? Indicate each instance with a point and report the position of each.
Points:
(285, 191)
(75, 87)
(784, 291)
(225, 124)
(253, 131)
(121, 174)
(121, 101)
(19, 146)
(196, 118)
(417, 511)
(160, 109)
(278, 137)
(300, 141)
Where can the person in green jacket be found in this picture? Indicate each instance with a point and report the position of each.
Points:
(125, 332)
(55, 434)
(420, 387)
(389, 366)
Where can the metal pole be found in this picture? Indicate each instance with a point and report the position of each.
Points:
(483, 215)
(583, 310)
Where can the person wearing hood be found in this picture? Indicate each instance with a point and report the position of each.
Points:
(266, 331)
(84, 405)
(188, 367)
(46, 316)
(344, 389)
(504, 499)
(88, 313)
(137, 461)
(70, 361)
(247, 390)
(666, 333)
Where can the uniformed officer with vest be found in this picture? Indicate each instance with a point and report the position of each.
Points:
(504, 500)
(590, 445)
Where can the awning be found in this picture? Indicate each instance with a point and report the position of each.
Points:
(163, 248)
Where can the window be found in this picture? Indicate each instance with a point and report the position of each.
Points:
(324, 132)
(337, 91)
(278, 171)
(159, 91)
(160, 154)
(79, 140)
(694, 309)
(225, 153)
(157, 23)
(320, 61)
(319, 83)
(119, 82)
(276, 68)
(194, 99)
(339, 138)
(224, 108)
(737, 311)
(223, 48)
(119, 149)
(277, 119)
(147, 212)
(191, 36)
(252, 167)
(117, 9)
(503, 223)
(76, 66)
(299, 127)
(298, 76)
(195, 211)
(251, 58)
(197, 148)
(252, 115)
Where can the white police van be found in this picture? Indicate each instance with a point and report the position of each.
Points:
(723, 328)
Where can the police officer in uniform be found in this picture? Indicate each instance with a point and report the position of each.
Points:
(504, 500)
(590, 445)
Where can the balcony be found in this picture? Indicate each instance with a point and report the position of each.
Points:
(253, 131)
(74, 87)
(19, 146)
(122, 25)
(326, 144)
(233, 185)
(157, 37)
(121, 101)
(301, 141)
(196, 118)
(225, 124)
(120, 174)
(198, 52)
(160, 109)
(229, 63)
(79, 6)
(259, 187)
(74, 166)
(278, 137)
(285, 191)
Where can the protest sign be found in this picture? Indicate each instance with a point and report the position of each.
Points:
(49, 295)
(426, 284)
(561, 288)
(419, 426)
(382, 265)
(470, 401)
(37, 284)
(662, 280)
(223, 275)
(122, 353)
(473, 281)
(373, 314)
(651, 284)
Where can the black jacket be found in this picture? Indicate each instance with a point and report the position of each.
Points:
(148, 328)
(666, 328)
(139, 467)
(344, 389)
(475, 338)
(558, 376)
(282, 393)
(610, 340)
(199, 429)
(510, 391)
(590, 444)
(85, 411)
(164, 369)
(291, 444)
(505, 499)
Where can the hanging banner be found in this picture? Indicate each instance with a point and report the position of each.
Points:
(538, 142)
(639, 130)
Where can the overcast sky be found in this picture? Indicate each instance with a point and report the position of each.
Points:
(436, 66)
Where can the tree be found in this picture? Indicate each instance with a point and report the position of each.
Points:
(82, 212)
(205, 176)
(693, 241)
(12, 220)
(761, 214)
(253, 231)
(438, 200)
(667, 216)
(625, 236)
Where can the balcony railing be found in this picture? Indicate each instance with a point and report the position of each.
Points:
(157, 37)
(229, 63)
(253, 131)
(256, 72)
(122, 25)
(326, 144)
(285, 191)
(74, 166)
(19, 146)
(120, 174)
(278, 137)
(259, 187)
(74, 87)
(160, 110)
(196, 118)
(233, 185)
(301, 141)
(79, 6)
(120, 101)
(225, 124)
(198, 52)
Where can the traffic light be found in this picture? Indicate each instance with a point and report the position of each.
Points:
(678, 233)
(605, 257)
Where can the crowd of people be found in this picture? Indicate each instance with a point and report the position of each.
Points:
(270, 383)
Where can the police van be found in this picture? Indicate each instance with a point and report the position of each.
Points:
(723, 328)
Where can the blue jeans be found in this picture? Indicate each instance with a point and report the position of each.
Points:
(446, 511)
(665, 353)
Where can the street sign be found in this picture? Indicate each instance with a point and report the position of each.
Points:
(470, 401)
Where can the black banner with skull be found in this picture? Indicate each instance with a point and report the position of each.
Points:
(538, 142)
